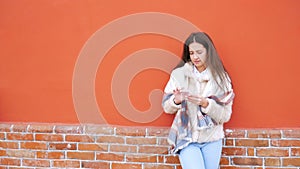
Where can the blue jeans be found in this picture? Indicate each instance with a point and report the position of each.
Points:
(201, 156)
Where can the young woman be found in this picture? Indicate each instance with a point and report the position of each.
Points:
(200, 93)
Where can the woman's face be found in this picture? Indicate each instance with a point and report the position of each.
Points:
(198, 55)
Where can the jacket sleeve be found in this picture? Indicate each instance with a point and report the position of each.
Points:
(168, 104)
(220, 113)
(168, 99)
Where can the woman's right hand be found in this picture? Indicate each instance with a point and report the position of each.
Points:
(179, 95)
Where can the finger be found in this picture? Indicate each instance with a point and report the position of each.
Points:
(197, 100)
(194, 100)
(176, 90)
(194, 97)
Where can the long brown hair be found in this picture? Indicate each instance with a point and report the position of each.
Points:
(213, 61)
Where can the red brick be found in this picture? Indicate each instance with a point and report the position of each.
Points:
(229, 142)
(98, 165)
(19, 136)
(19, 128)
(247, 161)
(291, 162)
(10, 145)
(2, 136)
(251, 143)
(164, 132)
(229, 133)
(141, 158)
(69, 129)
(273, 167)
(2, 152)
(10, 161)
(93, 146)
(295, 151)
(264, 134)
(110, 156)
(99, 129)
(250, 151)
(40, 128)
(126, 166)
(229, 151)
(153, 149)
(34, 145)
(62, 146)
(159, 166)
(5, 127)
(172, 159)
(286, 143)
(20, 153)
(131, 131)
(123, 148)
(140, 140)
(234, 167)
(36, 163)
(50, 155)
(224, 161)
(66, 164)
(272, 162)
(79, 138)
(111, 139)
(178, 167)
(272, 152)
(81, 155)
(48, 137)
(291, 133)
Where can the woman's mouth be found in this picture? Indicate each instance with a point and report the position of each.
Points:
(197, 62)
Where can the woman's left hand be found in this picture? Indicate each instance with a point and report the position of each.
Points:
(201, 101)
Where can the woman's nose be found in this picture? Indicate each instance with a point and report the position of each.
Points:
(195, 56)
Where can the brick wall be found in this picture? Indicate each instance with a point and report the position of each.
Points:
(108, 147)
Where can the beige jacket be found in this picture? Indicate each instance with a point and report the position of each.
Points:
(204, 85)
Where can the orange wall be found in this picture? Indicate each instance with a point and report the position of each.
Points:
(40, 42)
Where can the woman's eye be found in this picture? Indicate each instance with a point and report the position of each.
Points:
(199, 52)
(191, 53)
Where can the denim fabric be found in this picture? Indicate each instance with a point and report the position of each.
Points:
(201, 156)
